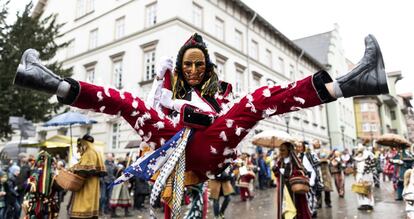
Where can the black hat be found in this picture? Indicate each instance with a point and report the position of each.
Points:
(89, 138)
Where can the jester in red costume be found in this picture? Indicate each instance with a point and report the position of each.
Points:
(200, 103)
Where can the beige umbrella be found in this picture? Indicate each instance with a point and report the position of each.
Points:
(272, 138)
(393, 140)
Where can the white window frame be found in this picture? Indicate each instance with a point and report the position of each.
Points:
(238, 40)
(254, 50)
(364, 107)
(291, 72)
(197, 13)
(281, 65)
(84, 7)
(119, 28)
(219, 28)
(117, 71)
(93, 39)
(115, 135)
(366, 127)
(151, 14)
(240, 81)
(90, 72)
(70, 49)
(257, 80)
(269, 58)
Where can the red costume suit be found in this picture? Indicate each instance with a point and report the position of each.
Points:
(216, 132)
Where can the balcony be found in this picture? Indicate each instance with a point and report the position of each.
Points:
(390, 100)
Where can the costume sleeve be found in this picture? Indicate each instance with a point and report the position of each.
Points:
(87, 165)
(154, 96)
(309, 168)
(142, 117)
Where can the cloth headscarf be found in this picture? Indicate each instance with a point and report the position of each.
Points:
(91, 161)
(14, 169)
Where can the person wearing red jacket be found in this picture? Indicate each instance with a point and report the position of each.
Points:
(200, 101)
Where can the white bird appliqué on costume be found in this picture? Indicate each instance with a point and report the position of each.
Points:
(223, 136)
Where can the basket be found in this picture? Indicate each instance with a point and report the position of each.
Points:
(299, 184)
(69, 181)
(361, 188)
(349, 171)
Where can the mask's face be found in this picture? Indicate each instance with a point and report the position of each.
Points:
(283, 151)
(194, 66)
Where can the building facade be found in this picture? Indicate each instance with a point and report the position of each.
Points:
(118, 44)
(327, 49)
(389, 113)
(367, 118)
(408, 114)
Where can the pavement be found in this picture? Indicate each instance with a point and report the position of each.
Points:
(263, 206)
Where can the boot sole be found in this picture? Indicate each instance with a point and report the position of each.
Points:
(381, 74)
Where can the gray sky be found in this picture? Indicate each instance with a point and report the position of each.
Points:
(391, 22)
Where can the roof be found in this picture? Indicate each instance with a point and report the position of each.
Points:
(316, 45)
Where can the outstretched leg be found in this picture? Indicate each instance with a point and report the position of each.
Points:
(210, 149)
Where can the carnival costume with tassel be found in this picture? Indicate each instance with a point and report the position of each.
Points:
(201, 139)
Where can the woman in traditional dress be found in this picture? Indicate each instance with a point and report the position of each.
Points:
(365, 166)
(288, 165)
(337, 172)
(85, 202)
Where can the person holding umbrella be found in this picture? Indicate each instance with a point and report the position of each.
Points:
(402, 161)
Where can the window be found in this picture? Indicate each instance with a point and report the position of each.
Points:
(373, 127)
(84, 7)
(393, 116)
(116, 129)
(90, 74)
(70, 50)
(239, 81)
(93, 39)
(197, 16)
(301, 74)
(291, 72)
(364, 107)
(149, 64)
(119, 27)
(151, 15)
(238, 40)
(256, 80)
(281, 65)
(220, 69)
(117, 73)
(219, 29)
(366, 127)
(269, 58)
(254, 53)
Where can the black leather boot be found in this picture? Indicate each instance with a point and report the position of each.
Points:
(368, 77)
(32, 74)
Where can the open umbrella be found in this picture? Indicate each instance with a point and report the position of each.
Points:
(272, 138)
(133, 144)
(69, 119)
(393, 140)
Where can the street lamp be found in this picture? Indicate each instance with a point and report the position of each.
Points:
(287, 120)
(342, 131)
